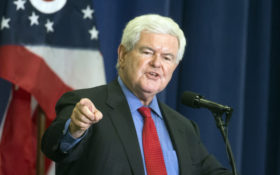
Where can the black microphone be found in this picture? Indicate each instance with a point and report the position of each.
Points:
(195, 100)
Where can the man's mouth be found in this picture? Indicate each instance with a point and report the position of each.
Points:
(152, 75)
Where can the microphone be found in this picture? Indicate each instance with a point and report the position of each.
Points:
(195, 100)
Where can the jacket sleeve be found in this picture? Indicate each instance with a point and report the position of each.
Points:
(52, 137)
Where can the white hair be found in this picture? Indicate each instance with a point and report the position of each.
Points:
(155, 24)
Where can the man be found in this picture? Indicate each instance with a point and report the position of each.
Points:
(106, 130)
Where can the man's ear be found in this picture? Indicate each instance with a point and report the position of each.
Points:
(121, 54)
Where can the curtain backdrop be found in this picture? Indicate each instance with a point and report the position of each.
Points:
(232, 58)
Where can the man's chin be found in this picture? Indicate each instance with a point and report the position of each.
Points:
(151, 90)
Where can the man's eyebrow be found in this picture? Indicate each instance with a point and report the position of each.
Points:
(146, 47)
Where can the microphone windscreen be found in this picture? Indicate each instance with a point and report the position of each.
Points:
(189, 98)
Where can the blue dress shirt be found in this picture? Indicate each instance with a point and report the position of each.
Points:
(169, 154)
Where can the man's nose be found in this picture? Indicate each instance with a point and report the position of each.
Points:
(156, 60)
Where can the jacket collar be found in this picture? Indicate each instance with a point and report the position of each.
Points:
(122, 120)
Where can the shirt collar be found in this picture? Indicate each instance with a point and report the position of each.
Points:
(134, 103)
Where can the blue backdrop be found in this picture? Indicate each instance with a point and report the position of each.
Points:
(232, 58)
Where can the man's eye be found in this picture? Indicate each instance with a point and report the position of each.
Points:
(147, 52)
(168, 58)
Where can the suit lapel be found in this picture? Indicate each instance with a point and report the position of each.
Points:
(123, 123)
(178, 136)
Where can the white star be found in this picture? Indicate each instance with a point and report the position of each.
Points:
(88, 12)
(49, 26)
(5, 23)
(20, 4)
(93, 33)
(34, 19)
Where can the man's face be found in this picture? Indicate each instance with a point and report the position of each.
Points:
(148, 67)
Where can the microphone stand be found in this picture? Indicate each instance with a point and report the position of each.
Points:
(223, 128)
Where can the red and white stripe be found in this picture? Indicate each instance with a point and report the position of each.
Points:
(43, 73)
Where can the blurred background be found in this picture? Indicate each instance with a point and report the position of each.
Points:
(232, 57)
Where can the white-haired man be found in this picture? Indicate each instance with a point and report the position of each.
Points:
(122, 128)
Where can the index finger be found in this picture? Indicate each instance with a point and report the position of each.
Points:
(88, 103)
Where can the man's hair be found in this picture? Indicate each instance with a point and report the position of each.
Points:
(155, 24)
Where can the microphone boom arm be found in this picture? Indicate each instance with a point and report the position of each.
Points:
(223, 128)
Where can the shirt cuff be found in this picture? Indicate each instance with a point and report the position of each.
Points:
(68, 142)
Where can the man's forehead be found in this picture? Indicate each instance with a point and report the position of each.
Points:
(154, 41)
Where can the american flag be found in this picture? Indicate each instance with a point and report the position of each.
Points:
(47, 47)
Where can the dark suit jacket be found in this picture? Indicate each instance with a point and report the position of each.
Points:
(110, 147)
